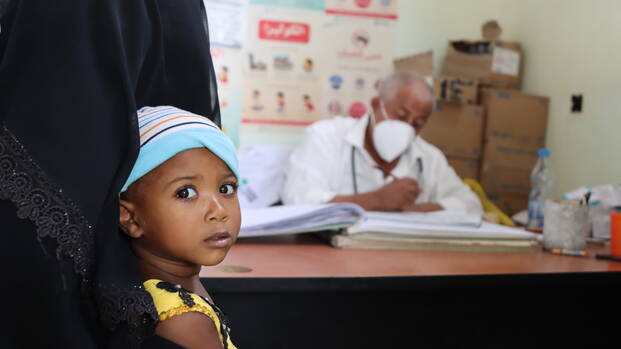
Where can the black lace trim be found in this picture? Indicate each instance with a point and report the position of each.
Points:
(183, 293)
(132, 305)
(42, 202)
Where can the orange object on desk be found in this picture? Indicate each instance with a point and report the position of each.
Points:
(615, 233)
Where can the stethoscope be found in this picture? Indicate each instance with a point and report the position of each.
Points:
(419, 163)
(353, 169)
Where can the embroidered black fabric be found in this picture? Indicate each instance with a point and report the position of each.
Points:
(72, 75)
(182, 292)
(43, 203)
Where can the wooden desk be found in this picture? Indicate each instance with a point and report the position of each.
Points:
(302, 293)
(306, 256)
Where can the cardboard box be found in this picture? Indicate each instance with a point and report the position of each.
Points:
(507, 155)
(504, 178)
(515, 120)
(492, 63)
(421, 63)
(515, 129)
(465, 168)
(456, 129)
(456, 90)
(509, 203)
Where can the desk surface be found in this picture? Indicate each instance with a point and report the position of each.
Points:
(304, 286)
(307, 256)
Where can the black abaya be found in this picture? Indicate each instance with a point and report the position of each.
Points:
(72, 75)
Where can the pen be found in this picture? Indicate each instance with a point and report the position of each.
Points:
(419, 163)
(609, 257)
(564, 252)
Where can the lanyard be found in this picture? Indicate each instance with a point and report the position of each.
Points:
(353, 169)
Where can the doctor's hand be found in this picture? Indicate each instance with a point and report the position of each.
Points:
(422, 207)
(397, 194)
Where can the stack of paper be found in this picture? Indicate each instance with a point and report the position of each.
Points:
(277, 220)
(441, 230)
(446, 217)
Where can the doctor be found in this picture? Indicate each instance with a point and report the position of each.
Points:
(378, 161)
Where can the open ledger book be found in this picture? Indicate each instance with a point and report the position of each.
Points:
(441, 230)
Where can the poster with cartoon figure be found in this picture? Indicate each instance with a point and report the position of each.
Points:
(357, 57)
(227, 39)
(282, 69)
(283, 64)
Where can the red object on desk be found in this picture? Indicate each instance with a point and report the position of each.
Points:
(615, 233)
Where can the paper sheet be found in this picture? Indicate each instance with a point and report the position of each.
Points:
(485, 231)
(262, 170)
(446, 217)
(506, 62)
(277, 220)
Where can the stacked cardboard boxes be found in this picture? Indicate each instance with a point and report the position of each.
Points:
(486, 127)
(456, 125)
(492, 63)
(514, 132)
(457, 129)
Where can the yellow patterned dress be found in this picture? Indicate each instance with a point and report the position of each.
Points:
(171, 300)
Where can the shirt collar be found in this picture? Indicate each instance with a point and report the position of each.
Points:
(355, 136)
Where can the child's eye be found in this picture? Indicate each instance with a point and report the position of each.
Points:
(186, 193)
(228, 189)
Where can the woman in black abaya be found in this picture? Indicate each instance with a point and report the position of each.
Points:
(72, 75)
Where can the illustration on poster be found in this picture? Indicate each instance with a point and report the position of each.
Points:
(363, 3)
(360, 38)
(280, 101)
(256, 101)
(308, 65)
(223, 75)
(308, 103)
(336, 81)
(377, 84)
(357, 110)
(255, 65)
(282, 62)
(223, 103)
(335, 108)
(360, 82)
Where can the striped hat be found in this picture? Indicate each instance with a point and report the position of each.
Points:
(166, 131)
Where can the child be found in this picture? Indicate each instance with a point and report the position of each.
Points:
(179, 207)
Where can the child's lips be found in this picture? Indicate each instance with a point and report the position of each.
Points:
(219, 240)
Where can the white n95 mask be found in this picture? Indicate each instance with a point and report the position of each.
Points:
(391, 138)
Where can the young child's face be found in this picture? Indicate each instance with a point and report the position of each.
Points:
(186, 209)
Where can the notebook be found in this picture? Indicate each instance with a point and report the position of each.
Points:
(353, 227)
(278, 220)
(439, 231)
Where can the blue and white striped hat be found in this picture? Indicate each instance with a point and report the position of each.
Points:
(166, 131)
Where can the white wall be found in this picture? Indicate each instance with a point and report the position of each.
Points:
(570, 46)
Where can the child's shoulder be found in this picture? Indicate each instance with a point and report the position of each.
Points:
(171, 300)
(185, 317)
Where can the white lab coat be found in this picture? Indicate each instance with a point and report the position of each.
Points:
(320, 168)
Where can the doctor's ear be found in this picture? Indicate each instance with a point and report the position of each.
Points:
(127, 219)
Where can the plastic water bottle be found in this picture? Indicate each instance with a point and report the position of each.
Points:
(541, 179)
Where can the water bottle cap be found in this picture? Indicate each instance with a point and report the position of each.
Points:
(544, 153)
